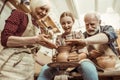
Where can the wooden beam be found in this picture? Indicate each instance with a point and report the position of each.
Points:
(50, 22)
(19, 6)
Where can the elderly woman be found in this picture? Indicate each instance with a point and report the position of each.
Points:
(20, 38)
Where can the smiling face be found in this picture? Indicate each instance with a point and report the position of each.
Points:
(41, 12)
(92, 24)
(39, 8)
(67, 22)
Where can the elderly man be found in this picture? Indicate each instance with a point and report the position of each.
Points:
(20, 38)
(99, 40)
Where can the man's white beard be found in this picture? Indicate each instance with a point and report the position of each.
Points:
(94, 32)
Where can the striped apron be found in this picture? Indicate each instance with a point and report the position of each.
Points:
(18, 63)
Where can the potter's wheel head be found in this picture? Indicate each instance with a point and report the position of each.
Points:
(63, 65)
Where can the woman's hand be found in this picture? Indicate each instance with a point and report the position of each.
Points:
(42, 39)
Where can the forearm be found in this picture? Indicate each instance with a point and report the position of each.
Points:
(100, 38)
(21, 41)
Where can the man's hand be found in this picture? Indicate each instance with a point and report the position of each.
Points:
(78, 42)
(95, 53)
(74, 57)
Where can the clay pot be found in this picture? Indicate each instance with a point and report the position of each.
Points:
(63, 53)
(106, 62)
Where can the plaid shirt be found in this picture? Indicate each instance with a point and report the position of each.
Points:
(112, 36)
(15, 25)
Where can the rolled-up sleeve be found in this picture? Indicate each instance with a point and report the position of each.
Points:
(109, 31)
(11, 26)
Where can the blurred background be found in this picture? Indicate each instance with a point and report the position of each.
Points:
(108, 9)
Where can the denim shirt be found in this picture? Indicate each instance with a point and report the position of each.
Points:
(112, 36)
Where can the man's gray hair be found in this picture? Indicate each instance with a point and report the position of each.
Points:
(94, 14)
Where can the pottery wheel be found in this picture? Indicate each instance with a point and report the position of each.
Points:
(63, 65)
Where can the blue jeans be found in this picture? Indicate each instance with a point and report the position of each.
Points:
(87, 69)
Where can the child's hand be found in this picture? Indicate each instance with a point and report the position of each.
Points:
(54, 58)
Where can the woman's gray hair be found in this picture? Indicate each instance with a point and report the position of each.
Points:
(38, 3)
